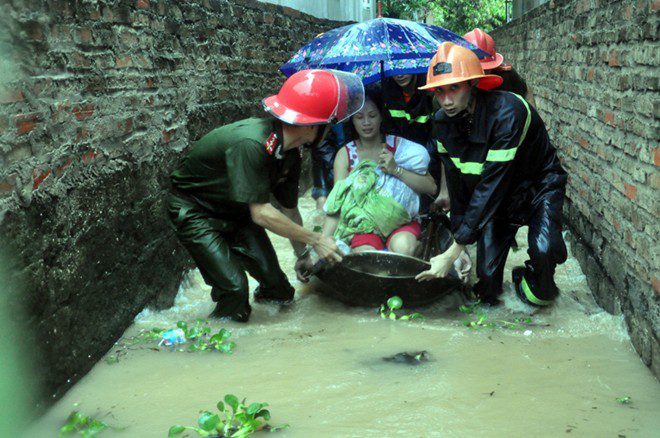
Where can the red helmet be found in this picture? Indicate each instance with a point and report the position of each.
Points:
(317, 97)
(486, 43)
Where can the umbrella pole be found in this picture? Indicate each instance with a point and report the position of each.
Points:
(382, 73)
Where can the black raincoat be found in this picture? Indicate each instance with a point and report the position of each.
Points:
(502, 173)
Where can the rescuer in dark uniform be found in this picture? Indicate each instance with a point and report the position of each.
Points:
(220, 203)
(408, 111)
(494, 64)
(502, 173)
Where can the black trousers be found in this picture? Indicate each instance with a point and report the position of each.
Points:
(224, 250)
(546, 250)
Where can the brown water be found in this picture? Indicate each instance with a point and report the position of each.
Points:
(319, 365)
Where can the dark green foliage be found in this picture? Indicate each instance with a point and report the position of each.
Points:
(459, 16)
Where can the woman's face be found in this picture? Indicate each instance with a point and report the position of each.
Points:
(403, 80)
(367, 121)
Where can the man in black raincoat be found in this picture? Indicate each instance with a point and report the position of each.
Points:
(502, 173)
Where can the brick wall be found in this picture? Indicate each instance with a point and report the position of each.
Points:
(99, 100)
(593, 67)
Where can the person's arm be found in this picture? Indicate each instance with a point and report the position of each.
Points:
(269, 217)
(294, 216)
(442, 200)
(442, 264)
(424, 184)
(340, 166)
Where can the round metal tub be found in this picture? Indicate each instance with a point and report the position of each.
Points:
(370, 278)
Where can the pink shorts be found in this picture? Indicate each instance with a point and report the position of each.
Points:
(374, 240)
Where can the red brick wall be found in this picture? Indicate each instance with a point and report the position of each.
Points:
(593, 66)
(99, 102)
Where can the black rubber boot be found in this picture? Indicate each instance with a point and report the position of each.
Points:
(525, 287)
(270, 296)
(485, 298)
(220, 312)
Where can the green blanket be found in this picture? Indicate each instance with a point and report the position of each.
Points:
(362, 208)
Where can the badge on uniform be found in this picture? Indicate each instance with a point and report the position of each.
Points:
(270, 143)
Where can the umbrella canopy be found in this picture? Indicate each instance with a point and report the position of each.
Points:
(380, 46)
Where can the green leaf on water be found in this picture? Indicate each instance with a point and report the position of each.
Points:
(253, 408)
(176, 430)
(395, 303)
(265, 413)
(208, 421)
(232, 401)
(276, 428)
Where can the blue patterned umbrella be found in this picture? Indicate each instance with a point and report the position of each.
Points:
(382, 46)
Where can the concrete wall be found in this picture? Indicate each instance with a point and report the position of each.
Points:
(520, 7)
(102, 99)
(593, 66)
(342, 10)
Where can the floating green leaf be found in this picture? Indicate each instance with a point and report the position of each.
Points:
(395, 303)
(84, 425)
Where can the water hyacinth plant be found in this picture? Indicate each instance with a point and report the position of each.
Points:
(483, 321)
(82, 425)
(243, 420)
(388, 311)
(199, 336)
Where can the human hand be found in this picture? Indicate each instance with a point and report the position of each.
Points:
(440, 266)
(327, 249)
(441, 203)
(386, 161)
(463, 266)
(303, 267)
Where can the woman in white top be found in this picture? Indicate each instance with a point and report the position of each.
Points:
(402, 171)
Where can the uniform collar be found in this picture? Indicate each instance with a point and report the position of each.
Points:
(457, 127)
(274, 143)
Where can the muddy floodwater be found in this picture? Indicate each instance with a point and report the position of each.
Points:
(319, 364)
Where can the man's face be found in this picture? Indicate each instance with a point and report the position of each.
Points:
(453, 98)
(402, 80)
(315, 135)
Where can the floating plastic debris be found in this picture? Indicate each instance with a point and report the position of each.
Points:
(172, 337)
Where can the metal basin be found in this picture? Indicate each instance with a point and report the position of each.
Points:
(370, 278)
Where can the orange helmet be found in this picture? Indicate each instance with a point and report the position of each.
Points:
(486, 43)
(317, 97)
(453, 64)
